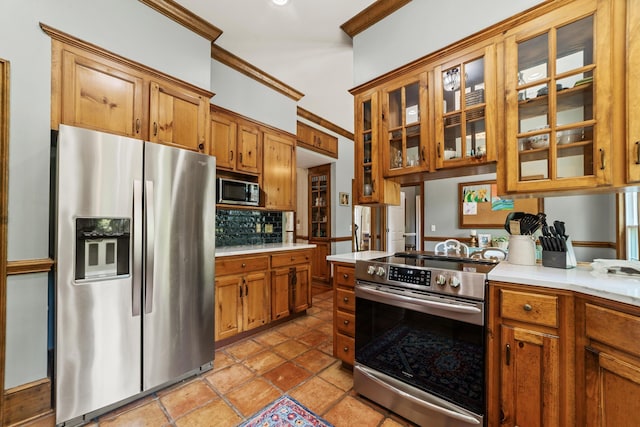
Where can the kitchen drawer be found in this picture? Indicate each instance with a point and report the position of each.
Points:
(345, 348)
(617, 329)
(345, 300)
(528, 307)
(239, 265)
(346, 323)
(290, 258)
(345, 276)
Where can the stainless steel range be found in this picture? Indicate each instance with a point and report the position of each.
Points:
(420, 336)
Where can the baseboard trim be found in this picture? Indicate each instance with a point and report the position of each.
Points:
(31, 400)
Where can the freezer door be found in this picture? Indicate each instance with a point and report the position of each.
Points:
(178, 332)
(98, 336)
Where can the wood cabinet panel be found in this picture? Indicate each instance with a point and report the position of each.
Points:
(345, 348)
(346, 300)
(346, 323)
(316, 140)
(344, 305)
(280, 285)
(178, 118)
(320, 265)
(617, 329)
(101, 96)
(290, 258)
(236, 265)
(279, 172)
(345, 276)
(255, 305)
(228, 307)
(224, 134)
(528, 307)
(249, 149)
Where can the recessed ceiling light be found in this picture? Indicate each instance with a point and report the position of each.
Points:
(280, 2)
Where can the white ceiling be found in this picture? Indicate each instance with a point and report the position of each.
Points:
(300, 44)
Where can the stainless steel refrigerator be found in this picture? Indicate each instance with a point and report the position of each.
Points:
(134, 248)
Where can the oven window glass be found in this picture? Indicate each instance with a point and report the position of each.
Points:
(440, 356)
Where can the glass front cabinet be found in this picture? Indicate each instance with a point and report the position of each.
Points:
(404, 123)
(465, 109)
(558, 89)
(371, 187)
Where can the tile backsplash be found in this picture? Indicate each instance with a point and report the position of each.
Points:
(246, 227)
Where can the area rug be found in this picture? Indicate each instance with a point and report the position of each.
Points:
(284, 412)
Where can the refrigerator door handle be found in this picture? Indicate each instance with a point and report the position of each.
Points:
(136, 279)
(150, 229)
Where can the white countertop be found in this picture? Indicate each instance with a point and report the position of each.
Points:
(352, 257)
(267, 247)
(580, 279)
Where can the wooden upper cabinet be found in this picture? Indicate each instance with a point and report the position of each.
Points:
(633, 90)
(465, 109)
(249, 149)
(558, 80)
(279, 172)
(371, 187)
(95, 89)
(316, 140)
(404, 121)
(236, 143)
(100, 95)
(178, 117)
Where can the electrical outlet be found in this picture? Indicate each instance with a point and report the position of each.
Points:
(258, 228)
(433, 227)
(268, 228)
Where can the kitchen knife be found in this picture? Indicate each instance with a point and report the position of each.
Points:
(559, 226)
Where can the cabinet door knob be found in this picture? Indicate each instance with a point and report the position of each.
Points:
(345, 275)
(346, 349)
(527, 307)
(155, 128)
(346, 299)
(201, 146)
(346, 322)
(244, 265)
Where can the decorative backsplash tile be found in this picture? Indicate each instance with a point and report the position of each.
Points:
(247, 227)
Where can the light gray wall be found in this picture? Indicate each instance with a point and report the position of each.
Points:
(341, 177)
(243, 95)
(128, 28)
(422, 27)
(587, 218)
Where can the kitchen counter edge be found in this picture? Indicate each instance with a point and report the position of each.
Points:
(352, 257)
(255, 249)
(582, 279)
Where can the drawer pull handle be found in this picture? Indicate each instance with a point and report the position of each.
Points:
(346, 349)
(527, 307)
(508, 355)
(346, 276)
(346, 322)
(244, 265)
(346, 299)
(293, 258)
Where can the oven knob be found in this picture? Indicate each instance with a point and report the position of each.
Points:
(371, 270)
(380, 271)
(441, 280)
(454, 282)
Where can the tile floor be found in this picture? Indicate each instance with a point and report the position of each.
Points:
(293, 358)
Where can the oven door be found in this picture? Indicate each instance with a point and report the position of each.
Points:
(421, 356)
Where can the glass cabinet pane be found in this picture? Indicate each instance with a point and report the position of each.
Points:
(403, 125)
(464, 117)
(556, 103)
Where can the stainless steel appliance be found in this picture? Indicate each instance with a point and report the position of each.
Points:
(235, 192)
(420, 336)
(135, 225)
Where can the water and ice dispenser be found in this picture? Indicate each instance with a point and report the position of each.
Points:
(102, 248)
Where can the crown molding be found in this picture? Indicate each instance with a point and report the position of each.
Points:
(306, 114)
(185, 17)
(379, 10)
(238, 64)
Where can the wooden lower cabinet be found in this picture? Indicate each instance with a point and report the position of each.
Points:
(320, 265)
(290, 283)
(252, 291)
(608, 364)
(344, 307)
(241, 303)
(530, 357)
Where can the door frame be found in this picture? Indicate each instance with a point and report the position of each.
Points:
(4, 205)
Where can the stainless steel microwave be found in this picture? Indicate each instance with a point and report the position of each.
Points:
(232, 191)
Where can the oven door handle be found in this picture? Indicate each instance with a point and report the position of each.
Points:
(387, 296)
(448, 412)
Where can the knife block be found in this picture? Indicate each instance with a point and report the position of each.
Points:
(560, 259)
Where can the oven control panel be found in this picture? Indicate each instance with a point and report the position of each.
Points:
(414, 276)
